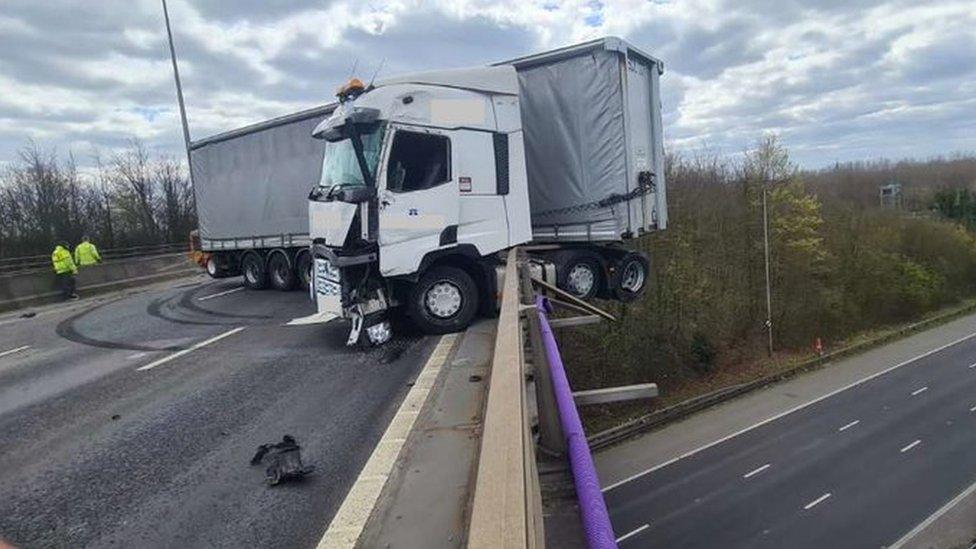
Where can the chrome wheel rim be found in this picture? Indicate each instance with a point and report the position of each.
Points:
(211, 266)
(581, 279)
(443, 300)
(633, 278)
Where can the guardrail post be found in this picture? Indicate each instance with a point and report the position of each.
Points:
(551, 439)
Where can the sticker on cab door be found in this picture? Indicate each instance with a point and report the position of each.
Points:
(464, 183)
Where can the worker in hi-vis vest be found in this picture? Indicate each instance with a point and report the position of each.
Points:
(65, 269)
(86, 253)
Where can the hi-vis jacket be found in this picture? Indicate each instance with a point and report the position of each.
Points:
(86, 254)
(61, 259)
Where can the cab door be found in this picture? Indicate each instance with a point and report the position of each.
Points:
(418, 200)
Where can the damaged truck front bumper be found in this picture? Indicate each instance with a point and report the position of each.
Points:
(342, 285)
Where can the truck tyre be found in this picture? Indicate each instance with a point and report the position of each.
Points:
(631, 276)
(280, 272)
(255, 275)
(213, 269)
(444, 300)
(580, 275)
(303, 269)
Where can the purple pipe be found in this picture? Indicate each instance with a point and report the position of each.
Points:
(593, 509)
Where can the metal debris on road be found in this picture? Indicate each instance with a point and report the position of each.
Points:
(284, 461)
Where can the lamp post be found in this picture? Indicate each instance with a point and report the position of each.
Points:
(769, 300)
(179, 91)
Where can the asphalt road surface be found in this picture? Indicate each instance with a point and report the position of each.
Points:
(129, 421)
(859, 468)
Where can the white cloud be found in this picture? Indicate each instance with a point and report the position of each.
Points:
(838, 79)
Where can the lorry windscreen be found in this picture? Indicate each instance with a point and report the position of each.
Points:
(340, 168)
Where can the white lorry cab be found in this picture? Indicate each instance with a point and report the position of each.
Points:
(426, 177)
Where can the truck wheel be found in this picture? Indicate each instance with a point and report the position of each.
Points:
(255, 275)
(212, 268)
(280, 272)
(580, 276)
(303, 269)
(444, 300)
(631, 277)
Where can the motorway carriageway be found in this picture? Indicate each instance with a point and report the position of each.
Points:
(860, 467)
(129, 419)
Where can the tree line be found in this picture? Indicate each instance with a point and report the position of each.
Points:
(130, 198)
(840, 263)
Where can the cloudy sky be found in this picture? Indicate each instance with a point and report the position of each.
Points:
(838, 80)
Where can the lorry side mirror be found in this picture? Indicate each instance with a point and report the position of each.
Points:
(355, 195)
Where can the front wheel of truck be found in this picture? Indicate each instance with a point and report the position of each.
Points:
(444, 300)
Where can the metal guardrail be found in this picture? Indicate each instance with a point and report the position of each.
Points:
(23, 264)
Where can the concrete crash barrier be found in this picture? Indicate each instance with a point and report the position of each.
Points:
(39, 287)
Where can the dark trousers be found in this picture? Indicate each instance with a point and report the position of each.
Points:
(66, 281)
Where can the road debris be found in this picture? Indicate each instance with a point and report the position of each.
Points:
(284, 461)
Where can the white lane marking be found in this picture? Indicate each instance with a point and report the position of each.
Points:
(935, 516)
(178, 354)
(817, 501)
(973, 365)
(633, 533)
(973, 409)
(17, 350)
(849, 425)
(756, 471)
(136, 355)
(348, 523)
(920, 391)
(910, 446)
(787, 412)
(218, 294)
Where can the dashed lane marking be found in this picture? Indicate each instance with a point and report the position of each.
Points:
(218, 294)
(178, 354)
(920, 390)
(816, 502)
(910, 446)
(633, 533)
(756, 471)
(15, 351)
(849, 425)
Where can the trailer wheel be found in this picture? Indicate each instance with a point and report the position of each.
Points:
(631, 277)
(255, 275)
(303, 269)
(280, 272)
(580, 275)
(444, 300)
